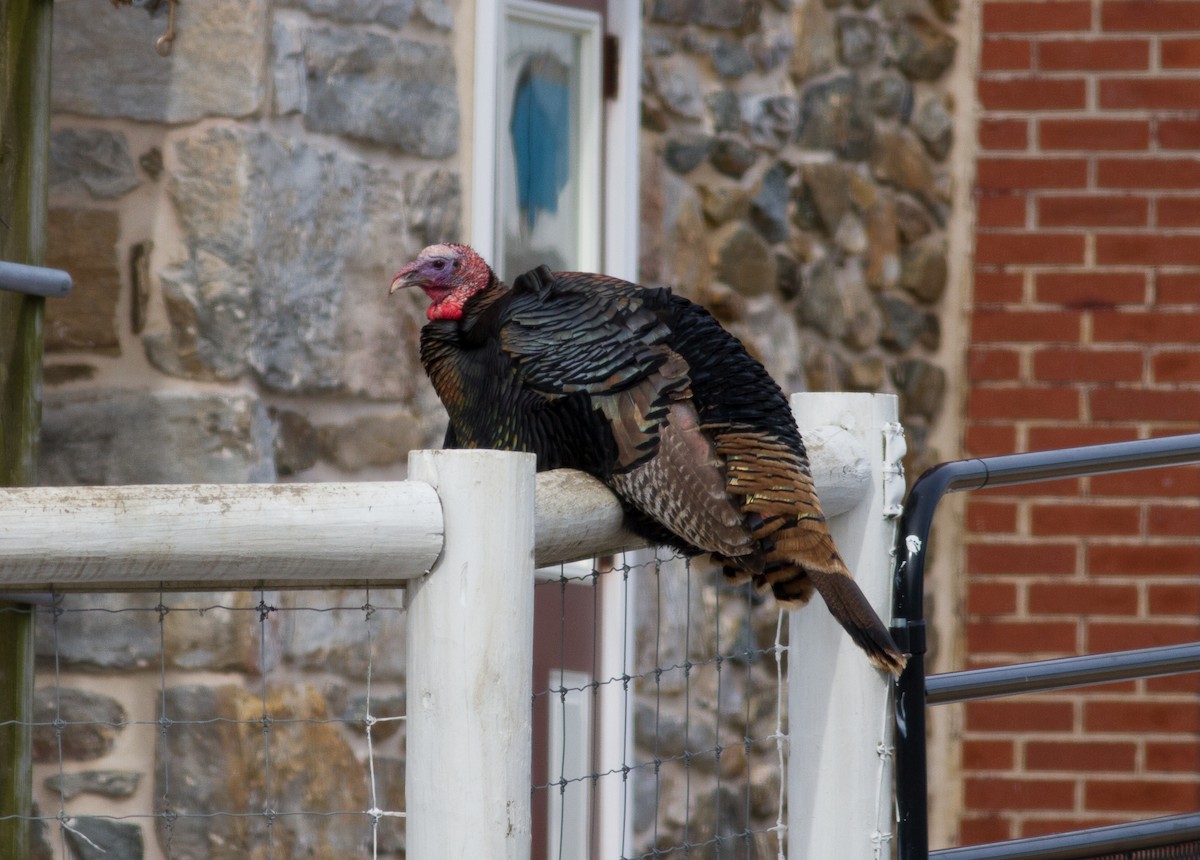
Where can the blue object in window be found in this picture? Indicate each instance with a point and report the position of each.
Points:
(541, 134)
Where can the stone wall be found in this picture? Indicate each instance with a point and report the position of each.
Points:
(232, 215)
(796, 180)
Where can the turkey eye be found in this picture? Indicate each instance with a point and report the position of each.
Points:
(439, 264)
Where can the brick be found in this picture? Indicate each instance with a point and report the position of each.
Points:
(997, 287)
(1020, 94)
(988, 557)
(1028, 248)
(1133, 716)
(1141, 795)
(1175, 599)
(1091, 289)
(1179, 53)
(991, 598)
(991, 404)
(1094, 134)
(1154, 327)
(1105, 636)
(1019, 716)
(1005, 55)
(1145, 94)
(987, 755)
(1080, 756)
(1189, 684)
(991, 517)
(1093, 211)
(1174, 520)
(1050, 438)
(1087, 365)
(1153, 16)
(1085, 519)
(1007, 174)
(1021, 326)
(994, 364)
(1035, 16)
(988, 440)
(1176, 366)
(1178, 289)
(1093, 55)
(1001, 210)
(1152, 559)
(1173, 757)
(1179, 133)
(1045, 826)
(1003, 134)
(1110, 404)
(991, 636)
(1177, 481)
(1006, 793)
(980, 831)
(1147, 249)
(1083, 598)
(1178, 212)
(1169, 173)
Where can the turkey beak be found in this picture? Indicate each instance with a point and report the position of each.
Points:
(403, 279)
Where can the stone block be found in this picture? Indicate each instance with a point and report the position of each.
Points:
(746, 263)
(858, 40)
(84, 242)
(371, 440)
(105, 63)
(676, 81)
(91, 161)
(835, 115)
(924, 269)
(935, 127)
(315, 637)
(116, 436)
(90, 723)
(103, 839)
(899, 159)
(924, 51)
(769, 207)
(115, 784)
(289, 250)
(215, 761)
(382, 89)
(104, 632)
(390, 13)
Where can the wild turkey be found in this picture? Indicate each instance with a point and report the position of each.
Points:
(646, 391)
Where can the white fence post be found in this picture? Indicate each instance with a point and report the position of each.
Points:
(469, 652)
(840, 794)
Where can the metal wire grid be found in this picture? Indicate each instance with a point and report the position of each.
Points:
(707, 688)
(261, 715)
(705, 682)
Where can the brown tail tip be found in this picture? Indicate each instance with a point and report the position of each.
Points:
(849, 606)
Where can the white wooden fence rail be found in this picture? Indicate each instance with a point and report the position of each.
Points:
(467, 528)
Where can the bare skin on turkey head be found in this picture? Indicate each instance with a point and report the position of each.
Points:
(646, 391)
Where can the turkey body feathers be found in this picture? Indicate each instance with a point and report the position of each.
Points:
(646, 391)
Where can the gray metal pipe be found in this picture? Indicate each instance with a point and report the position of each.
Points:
(34, 280)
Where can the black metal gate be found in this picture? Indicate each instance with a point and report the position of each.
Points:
(1176, 836)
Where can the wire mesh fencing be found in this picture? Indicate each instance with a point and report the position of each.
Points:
(703, 735)
(271, 724)
(256, 725)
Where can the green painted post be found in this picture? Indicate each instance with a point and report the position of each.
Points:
(24, 137)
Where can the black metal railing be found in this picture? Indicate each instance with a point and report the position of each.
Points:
(914, 691)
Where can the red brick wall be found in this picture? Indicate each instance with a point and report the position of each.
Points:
(1085, 328)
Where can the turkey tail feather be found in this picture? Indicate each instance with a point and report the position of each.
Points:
(849, 606)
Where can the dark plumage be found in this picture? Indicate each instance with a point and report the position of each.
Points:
(646, 391)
